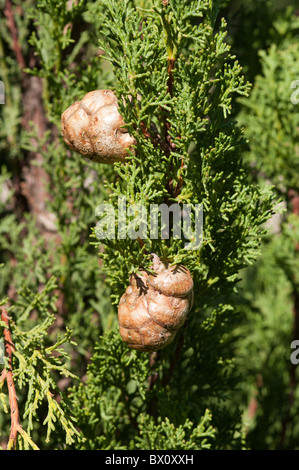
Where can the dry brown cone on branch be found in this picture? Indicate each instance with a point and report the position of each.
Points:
(94, 128)
(154, 307)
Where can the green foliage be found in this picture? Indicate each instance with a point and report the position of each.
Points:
(205, 77)
(60, 55)
(115, 399)
(37, 366)
(271, 287)
(270, 118)
(255, 25)
(31, 254)
(176, 79)
(164, 435)
(198, 111)
(265, 334)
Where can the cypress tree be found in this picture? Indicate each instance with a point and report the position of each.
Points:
(175, 79)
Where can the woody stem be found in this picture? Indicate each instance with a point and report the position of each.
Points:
(8, 375)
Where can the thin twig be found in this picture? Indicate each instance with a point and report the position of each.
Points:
(16, 47)
(154, 357)
(177, 355)
(170, 83)
(8, 375)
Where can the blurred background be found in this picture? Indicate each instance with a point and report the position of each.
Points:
(47, 201)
